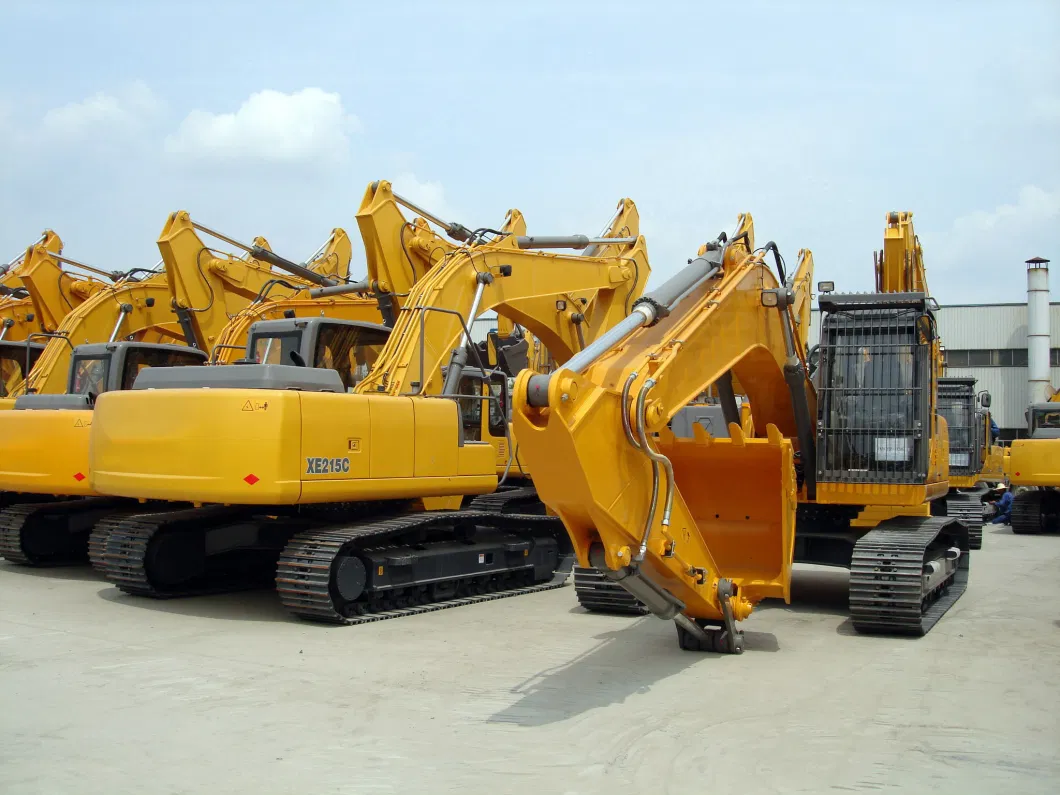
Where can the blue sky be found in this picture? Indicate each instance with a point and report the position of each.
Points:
(270, 118)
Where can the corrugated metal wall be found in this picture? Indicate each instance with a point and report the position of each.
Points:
(967, 327)
(483, 326)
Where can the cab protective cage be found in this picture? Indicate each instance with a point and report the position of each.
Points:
(874, 398)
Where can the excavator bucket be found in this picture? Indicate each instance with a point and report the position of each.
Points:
(741, 493)
(733, 511)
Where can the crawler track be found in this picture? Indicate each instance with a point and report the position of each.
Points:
(967, 507)
(328, 575)
(53, 533)
(522, 500)
(886, 575)
(152, 554)
(597, 594)
(1035, 512)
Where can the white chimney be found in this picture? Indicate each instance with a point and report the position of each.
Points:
(1038, 381)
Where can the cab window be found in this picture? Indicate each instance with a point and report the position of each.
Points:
(275, 348)
(471, 407)
(13, 364)
(90, 375)
(138, 359)
(1047, 418)
(10, 375)
(351, 351)
(498, 407)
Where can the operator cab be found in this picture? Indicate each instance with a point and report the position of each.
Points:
(315, 354)
(109, 366)
(956, 402)
(478, 389)
(1044, 421)
(16, 360)
(876, 381)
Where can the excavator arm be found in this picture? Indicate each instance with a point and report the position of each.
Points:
(699, 529)
(398, 252)
(210, 287)
(40, 292)
(561, 299)
(900, 264)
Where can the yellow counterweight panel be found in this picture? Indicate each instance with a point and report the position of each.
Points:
(217, 445)
(1033, 462)
(45, 452)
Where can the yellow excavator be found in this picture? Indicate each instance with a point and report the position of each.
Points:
(360, 495)
(883, 450)
(108, 340)
(35, 294)
(338, 329)
(840, 470)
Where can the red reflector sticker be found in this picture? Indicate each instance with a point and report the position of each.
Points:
(79, 477)
(252, 479)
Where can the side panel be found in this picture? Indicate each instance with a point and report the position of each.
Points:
(335, 427)
(437, 427)
(398, 448)
(393, 440)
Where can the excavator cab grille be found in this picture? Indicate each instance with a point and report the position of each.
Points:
(957, 406)
(874, 396)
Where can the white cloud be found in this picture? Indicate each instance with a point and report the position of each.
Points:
(307, 125)
(430, 195)
(1034, 206)
(125, 111)
(988, 247)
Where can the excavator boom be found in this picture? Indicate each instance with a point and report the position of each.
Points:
(699, 529)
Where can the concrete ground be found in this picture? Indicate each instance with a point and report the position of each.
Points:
(106, 693)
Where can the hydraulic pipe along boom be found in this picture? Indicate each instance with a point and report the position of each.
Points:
(649, 309)
(263, 254)
(576, 242)
(340, 289)
(453, 229)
